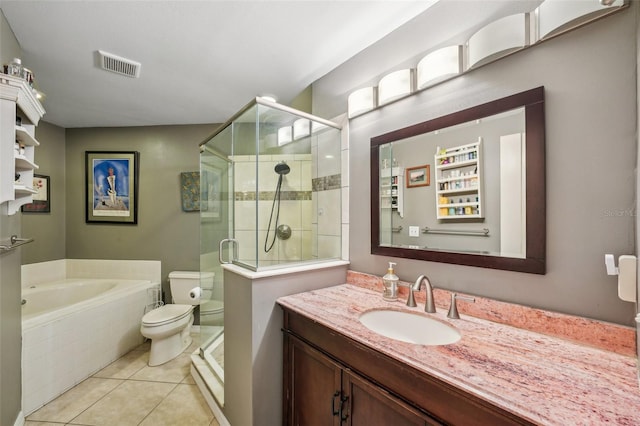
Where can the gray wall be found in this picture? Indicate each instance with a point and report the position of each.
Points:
(637, 204)
(48, 229)
(589, 77)
(10, 310)
(164, 232)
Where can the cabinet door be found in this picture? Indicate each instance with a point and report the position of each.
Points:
(312, 387)
(369, 405)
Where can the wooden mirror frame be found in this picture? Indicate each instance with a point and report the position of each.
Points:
(534, 262)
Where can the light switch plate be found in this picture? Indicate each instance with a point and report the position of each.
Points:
(414, 231)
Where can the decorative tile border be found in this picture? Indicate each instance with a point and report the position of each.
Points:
(268, 196)
(326, 183)
(611, 337)
(318, 184)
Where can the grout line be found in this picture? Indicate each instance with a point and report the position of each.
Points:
(123, 381)
(98, 400)
(158, 404)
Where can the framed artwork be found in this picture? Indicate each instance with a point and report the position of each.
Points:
(42, 198)
(190, 191)
(418, 176)
(211, 190)
(111, 186)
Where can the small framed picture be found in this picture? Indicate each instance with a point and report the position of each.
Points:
(418, 176)
(42, 198)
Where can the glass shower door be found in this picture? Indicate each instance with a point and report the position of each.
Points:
(216, 213)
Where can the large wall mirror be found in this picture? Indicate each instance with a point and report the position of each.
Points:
(466, 188)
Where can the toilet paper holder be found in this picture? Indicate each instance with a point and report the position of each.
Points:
(626, 272)
(195, 293)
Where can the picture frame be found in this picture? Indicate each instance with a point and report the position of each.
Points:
(111, 186)
(211, 193)
(42, 198)
(190, 191)
(418, 176)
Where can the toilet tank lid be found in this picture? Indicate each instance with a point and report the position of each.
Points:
(191, 274)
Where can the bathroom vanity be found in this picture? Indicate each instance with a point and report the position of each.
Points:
(337, 369)
(365, 386)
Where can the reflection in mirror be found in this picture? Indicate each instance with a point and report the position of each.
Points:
(482, 200)
(476, 186)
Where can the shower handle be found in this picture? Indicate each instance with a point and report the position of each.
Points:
(234, 254)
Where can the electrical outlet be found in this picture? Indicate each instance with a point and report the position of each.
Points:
(414, 231)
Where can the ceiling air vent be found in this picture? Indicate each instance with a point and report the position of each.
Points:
(119, 65)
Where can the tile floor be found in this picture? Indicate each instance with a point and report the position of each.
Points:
(129, 392)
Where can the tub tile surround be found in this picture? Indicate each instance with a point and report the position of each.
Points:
(543, 378)
(55, 270)
(128, 392)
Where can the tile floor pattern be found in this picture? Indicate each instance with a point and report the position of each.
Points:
(129, 392)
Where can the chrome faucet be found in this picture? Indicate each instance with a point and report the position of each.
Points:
(429, 305)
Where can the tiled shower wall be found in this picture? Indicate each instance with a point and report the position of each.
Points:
(310, 205)
(251, 214)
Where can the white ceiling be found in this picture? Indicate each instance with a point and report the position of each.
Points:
(204, 60)
(201, 60)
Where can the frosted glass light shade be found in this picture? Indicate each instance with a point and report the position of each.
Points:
(394, 86)
(361, 101)
(285, 135)
(555, 16)
(301, 128)
(499, 38)
(438, 65)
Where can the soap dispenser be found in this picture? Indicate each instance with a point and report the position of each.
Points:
(390, 283)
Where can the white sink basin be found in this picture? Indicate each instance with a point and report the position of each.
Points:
(410, 327)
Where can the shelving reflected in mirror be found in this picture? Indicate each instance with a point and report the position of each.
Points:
(485, 203)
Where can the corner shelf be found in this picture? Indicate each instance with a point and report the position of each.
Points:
(17, 99)
(392, 189)
(459, 182)
(23, 136)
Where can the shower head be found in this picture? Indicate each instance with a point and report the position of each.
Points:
(282, 168)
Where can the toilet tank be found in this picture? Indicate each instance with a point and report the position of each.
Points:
(183, 283)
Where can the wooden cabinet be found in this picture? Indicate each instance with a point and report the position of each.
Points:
(320, 391)
(368, 405)
(459, 182)
(392, 189)
(17, 141)
(331, 379)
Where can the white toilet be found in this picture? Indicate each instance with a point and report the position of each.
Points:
(169, 326)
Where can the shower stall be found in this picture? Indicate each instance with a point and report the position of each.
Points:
(270, 199)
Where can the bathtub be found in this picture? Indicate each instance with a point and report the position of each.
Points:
(73, 327)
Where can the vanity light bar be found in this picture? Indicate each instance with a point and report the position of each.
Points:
(492, 42)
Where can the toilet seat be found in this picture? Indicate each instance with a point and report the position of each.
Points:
(166, 314)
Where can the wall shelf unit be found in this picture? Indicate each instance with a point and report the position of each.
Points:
(17, 141)
(392, 189)
(459, 182)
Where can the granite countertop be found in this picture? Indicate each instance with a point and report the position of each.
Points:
(544, 379)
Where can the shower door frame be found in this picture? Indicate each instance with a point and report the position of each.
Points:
(223, 225)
